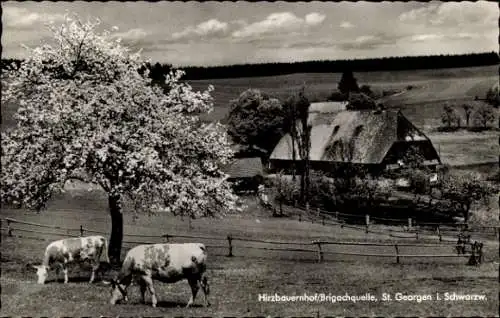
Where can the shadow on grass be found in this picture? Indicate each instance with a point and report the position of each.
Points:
(174, 304)
(80, 279)
(160, 304)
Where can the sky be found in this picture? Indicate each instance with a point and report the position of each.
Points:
(222, 33)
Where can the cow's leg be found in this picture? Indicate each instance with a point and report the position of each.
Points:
(95, 267)
(194, 283)
(206, 289)
(65, 271)
(126, 282)
(143, 286)
(58, 271)
(149, 283)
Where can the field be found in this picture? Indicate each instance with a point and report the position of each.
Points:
(237, 281)
(420, 105)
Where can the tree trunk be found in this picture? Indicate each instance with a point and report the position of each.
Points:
(307, 179)
(466, 208)
(294, 157)
(116, 239)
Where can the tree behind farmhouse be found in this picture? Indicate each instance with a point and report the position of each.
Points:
(348, 83)
(256, 119)
(87, 113)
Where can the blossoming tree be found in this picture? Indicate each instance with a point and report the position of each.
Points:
(86, 112)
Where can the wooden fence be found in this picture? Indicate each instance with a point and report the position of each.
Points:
(464, 248)
(409, 225)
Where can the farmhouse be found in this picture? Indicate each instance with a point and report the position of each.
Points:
(376, 140)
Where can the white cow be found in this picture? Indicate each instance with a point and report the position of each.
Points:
(59, 253)
(168, 263)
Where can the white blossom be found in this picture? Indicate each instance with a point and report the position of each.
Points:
(85, 109)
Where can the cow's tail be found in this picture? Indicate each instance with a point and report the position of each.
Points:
(105, 251)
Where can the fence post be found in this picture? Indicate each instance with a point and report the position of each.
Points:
(397, 253)
(337, 215)
(81, 230)
(230, 240)
(320, 251)
(323, 220)
(319, 213)
(416, 234)
(9, 229)
(367, 220)
(189, 223)
(439, 233)
(480, 252)
(409, 224)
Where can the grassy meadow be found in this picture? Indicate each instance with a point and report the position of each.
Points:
(237, 281)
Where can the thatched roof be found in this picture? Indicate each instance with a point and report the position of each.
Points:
(327, 107)
(244, 168)
(353, 136)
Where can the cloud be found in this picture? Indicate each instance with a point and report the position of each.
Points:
(346, 25)
(132, 35)
(314, 18)
(369, 42)
(22, 18)
(209, 29)
(280, 22)
(453, 14)
(445, 37)
(425, 37)
(465, 35)
(417, 15)
(363, 42)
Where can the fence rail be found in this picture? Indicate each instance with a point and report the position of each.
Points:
(475, 252)
(318, 215)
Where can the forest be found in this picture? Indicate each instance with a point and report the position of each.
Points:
(325, 66)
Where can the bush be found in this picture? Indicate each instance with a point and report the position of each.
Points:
(366, 89)
(419, 181)
(494, 177)
(493, 97)
(337, 96)
(450, 117)
(483, 116)
(464, 190)
(360, 101)
(284, 189)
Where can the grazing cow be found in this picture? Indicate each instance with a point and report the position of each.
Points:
(168, 263)
(59, 253)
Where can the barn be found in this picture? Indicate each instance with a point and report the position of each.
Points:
(246, 174)
(377, 140)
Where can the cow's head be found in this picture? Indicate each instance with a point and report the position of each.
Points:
(118, 292)
(42, 272)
